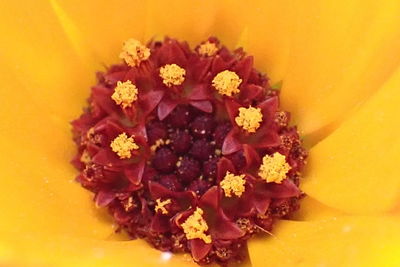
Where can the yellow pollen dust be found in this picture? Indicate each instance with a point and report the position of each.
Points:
(208, 49)
(85, 157)
(172, 74)
(274, 168)
(227, 83)
(233, 184)
(195, 227)
(160, 206)
(125, 93)
(123, 145)
(134, 52)
(249, 118)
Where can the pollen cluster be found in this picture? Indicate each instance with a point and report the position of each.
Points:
(227, 83)
(125, 93)
(233, 184)
(123, 145)
(160, 205)
(172, 74)
(195, 226)
(208, 49)
(249, 118)
(134, 52)
(274, 168)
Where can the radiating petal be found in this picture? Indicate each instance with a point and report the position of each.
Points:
(342, 52)
(343, 241)
(356, 168)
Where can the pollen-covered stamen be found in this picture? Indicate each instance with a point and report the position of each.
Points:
(160, 205)
(249, 118)
(134, 52)
(227, 83)
(274, 168)
(233, 184)
(172, 74)
(195, 226)
(125, 93)
(85, 157)
(159, 143)
(123, 146)
(208, 49)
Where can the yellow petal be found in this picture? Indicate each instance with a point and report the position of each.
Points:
(264, 31)
(342, 52)
(343, 241)
(355, 168)
(311, 210)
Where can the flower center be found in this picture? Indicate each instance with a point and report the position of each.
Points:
(233, 184)
(195, 227)
(172, 74)
(133, 52)
(123, 145)
(125, 94)
(210, 167)
(274, 168)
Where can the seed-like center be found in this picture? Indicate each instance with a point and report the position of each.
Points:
(274, 168)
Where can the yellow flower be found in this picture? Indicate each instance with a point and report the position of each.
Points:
(339, 63)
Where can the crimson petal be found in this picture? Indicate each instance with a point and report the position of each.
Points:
(199, 249)
(200, 92)
(149, 100)
(284, 190)
(231, 144)
(103, 198)
(224, 165)
(243, 68)
(203, 105)
(165, 107)
(160, 223)
(134, 173)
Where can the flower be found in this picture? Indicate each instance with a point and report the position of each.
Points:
(340, 83)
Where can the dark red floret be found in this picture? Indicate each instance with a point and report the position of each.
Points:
(180, 141)
(164, 160)
(202, 126)
(188, 169)
(210, 168)
(180, 117)
(202, 150)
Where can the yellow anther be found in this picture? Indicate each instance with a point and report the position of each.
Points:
(134, 52)
(123, 146)
(160, 206)
(227, 83)
(233, 184)
(172, 74)
(208, 49)
(157, 144)
(85, 157)
(195, 227)
(274, 168)
(249, 118)
(125, 94)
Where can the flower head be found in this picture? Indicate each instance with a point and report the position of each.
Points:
(133, 52)
(227, 83)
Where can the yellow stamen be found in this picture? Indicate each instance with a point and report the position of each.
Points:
(249, 118)
(160, 206)
(195, 226)
(133, 52)
(172, 74)
(157, 144)
(125, 94)
(274, 168)
(85, 157)
(233, 184)
(208, 49)
(122, 145)
(227, 83)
